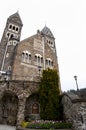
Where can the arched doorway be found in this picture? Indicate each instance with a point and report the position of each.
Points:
(32, 107)
(9, 108)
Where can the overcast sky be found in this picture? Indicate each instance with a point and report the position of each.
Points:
(67, 21)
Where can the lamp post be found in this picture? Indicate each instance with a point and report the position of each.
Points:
(75, 77)
(2, 66)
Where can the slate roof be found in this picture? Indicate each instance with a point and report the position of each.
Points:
(47, 31)
(16, 17)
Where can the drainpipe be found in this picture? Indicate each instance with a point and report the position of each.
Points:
(43, 42)
(4, 56)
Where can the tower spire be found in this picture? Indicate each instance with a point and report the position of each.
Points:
(10, 39)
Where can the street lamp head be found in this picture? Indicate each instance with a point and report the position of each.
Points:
(8, 72)
(75, 77)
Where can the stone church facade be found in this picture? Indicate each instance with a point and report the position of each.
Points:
(21, 66)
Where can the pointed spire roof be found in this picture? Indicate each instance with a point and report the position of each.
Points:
(47, 31)
(16, 18)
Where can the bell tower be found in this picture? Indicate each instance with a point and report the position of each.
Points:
(9, 41)
(50, 42)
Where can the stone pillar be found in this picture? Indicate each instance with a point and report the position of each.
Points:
(21, 109)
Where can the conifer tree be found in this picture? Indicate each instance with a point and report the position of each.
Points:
(49, 95)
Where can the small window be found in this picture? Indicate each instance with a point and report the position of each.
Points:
(35, 58)
(41, 59)
(49, 62)
(23, 55)
(29, 56)
(17, 29)
(38, 59)
(10, 26)
(13, 27)
(26, 55)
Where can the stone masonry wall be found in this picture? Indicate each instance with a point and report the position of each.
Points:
(22, 91)
(75, 110)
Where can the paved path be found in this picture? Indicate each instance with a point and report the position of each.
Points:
(6, 127)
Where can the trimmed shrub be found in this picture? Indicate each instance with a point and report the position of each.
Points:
(24, 124)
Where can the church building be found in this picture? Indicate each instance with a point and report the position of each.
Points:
(21, 66)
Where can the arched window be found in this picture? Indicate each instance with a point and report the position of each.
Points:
(23, 56)
(50, 42)
(16, 28)
(10, 27)
(26, 57)
(49, 63)
(46, 62)
(30, 57)
(41, 59)
(35, 58)
(38, 59)
(13, 27)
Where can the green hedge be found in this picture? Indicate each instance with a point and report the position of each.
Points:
(50, 125)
